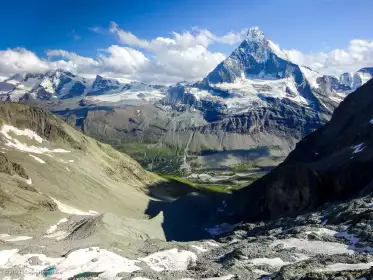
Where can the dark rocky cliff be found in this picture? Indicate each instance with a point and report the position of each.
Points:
(333, 163)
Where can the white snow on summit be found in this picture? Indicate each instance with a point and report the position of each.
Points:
(258, 44)
(254, 34)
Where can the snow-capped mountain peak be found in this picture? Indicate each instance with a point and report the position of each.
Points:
(60, 72)
(254, 34)
(260, 47)
(256, 57)
(256, 44)
(101, 85)
(259, 72)
(104, 82)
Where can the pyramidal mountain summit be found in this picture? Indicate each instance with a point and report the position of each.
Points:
(261, 170)
(253, 57)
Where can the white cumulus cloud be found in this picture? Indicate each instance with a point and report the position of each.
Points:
(185, 40)
(358, 54)
(20, 60)
(114, 61)
(183, 56)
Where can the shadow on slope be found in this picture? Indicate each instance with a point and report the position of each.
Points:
(186, 210)
(216, 159)
(252, 154)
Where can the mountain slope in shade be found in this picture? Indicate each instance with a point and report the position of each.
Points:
(332, 163)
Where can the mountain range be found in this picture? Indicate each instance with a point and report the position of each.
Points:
(60, 84)
(276, 162)
(251, 109)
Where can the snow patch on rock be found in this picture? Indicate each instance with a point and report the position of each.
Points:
(323, 231)
(170, 260)
(345, 266)
(54, 227)
(6, 129)
(13, 238)
(200, 249)
(37, 159)
(16, 144)
(314, 246)
(58, 235)
(71, 210)
(79, 261)
(275, 262)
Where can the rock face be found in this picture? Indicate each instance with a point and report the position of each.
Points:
(346, 79)
(332, 163)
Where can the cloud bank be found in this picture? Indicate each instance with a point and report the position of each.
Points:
(358, 54)
(179, 57)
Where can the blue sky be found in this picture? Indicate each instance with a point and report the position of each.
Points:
(309, 26)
